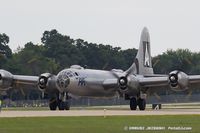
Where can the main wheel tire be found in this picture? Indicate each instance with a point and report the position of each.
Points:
(133, 103)
(63, 105)
(53, 104)
(142, 104)
(67, 105)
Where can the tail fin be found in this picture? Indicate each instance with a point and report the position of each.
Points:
(143, 63)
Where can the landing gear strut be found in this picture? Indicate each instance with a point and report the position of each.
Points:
(53, 104)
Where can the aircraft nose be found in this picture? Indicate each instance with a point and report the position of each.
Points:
(63, 81)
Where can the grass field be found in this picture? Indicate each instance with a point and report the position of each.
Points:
(110, 124)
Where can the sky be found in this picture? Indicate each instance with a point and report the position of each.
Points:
(172, 24)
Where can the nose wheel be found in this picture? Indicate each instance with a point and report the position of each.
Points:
(53, 104)
(61, 101)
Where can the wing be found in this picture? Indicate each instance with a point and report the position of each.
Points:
(8, 80)
(164, 81)
(146, 82)
(43, 82)
(25, 80)
(153, 81)
(46, 82)
(176, 80)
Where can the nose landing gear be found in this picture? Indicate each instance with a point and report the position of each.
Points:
(62, 101)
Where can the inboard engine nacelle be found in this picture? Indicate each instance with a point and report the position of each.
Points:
(47, 82)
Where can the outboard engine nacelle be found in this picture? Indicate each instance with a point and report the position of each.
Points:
(178, 80)
(6, 80)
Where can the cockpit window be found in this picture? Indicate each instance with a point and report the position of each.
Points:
(64, 78)
(70, 73)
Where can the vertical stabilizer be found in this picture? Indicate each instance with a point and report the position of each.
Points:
(143, 63)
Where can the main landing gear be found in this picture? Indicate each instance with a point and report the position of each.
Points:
(134, 102)
(61, 101)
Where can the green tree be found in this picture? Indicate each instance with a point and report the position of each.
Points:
(4, 40)
(31, 61)
(181, 59)
(61, 48)
(5, 51)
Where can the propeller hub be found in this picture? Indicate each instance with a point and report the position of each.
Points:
(42, 81)
(123, 81)
(172, 78)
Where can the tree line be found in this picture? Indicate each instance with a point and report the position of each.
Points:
(56, 52)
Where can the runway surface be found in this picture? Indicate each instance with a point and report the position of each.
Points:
(98, 113)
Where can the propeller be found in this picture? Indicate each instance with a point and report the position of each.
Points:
(123, 82)
(43, 81)
(173, 78)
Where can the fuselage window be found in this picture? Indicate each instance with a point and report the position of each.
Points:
(76, 73)
(70, 74)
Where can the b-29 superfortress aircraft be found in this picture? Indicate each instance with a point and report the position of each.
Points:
(133, 83)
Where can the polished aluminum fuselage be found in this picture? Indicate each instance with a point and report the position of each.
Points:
(89, 83)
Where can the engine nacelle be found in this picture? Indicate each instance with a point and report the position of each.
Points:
(6, 80)
(178, 81)
(47, 82)
(128, 84)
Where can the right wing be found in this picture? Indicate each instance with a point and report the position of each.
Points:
(25, 80)
(42, 82)
(8, 80)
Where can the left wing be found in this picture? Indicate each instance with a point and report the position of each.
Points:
(176, 80)
(153, 81)
(165, 81)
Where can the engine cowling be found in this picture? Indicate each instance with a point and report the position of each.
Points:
(6, 80)
(178, 80)
(47, 82)
(128, 84)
